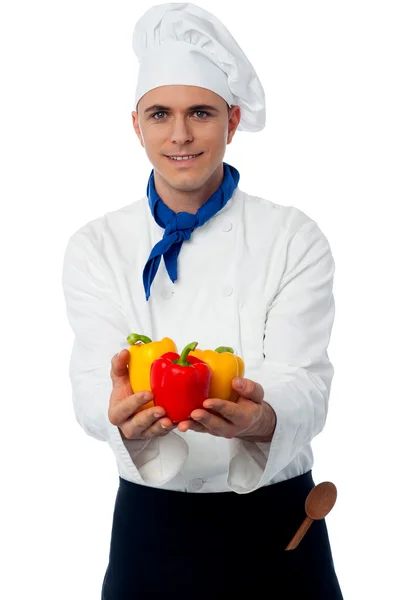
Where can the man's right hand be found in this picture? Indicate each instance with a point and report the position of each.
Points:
(123, 405)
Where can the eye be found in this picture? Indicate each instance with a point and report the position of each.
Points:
(203, 112)
(158, 113)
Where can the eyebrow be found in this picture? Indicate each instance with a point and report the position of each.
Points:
(160, 107)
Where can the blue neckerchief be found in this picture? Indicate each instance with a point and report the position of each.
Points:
(179, 226)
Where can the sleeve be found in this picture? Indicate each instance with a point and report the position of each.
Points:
(296, 372)
(100, 329)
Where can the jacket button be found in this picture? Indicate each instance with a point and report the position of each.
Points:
(196, 484)
(227, 226)
(227, 290)
(167, 294)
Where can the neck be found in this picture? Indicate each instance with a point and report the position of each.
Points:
(187, 201)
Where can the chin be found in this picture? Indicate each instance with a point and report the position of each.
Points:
(185, 186)
(187, 182)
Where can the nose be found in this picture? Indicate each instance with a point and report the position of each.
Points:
(180, 133)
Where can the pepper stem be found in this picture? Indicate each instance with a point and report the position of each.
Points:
(224, 349)
(182, 361)
(133, 338)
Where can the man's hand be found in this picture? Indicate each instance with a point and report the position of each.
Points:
(250, 418)
(123, 405)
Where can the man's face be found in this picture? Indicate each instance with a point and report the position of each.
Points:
(167, 124)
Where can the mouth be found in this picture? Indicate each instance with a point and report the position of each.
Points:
(184, 161)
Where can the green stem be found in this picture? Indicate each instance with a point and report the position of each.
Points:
(182, 361)
(133, 338)
(224, 349)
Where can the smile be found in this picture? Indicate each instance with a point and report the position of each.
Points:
(180, 160)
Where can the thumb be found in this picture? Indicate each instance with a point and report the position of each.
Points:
(119, 367)
(249, 389)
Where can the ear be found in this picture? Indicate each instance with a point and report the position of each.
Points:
(234, 121)
(135, 119)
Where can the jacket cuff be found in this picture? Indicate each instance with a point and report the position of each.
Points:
(151, 462)
(249, 463)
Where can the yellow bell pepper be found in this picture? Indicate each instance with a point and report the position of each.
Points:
(224, 365)
(143, 351)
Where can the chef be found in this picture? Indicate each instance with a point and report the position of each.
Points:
(205, 507)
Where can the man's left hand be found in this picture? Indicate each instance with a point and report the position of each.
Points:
(250, 418)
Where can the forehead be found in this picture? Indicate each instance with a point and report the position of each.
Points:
(178, 97)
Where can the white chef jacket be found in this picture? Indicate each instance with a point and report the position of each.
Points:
(258, 277)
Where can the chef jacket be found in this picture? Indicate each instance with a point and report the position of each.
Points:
(257, 277)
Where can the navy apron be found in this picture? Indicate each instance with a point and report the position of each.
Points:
(185, 545)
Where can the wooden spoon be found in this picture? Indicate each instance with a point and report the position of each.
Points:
(319, 502)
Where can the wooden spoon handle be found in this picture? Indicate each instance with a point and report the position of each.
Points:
(300, 533)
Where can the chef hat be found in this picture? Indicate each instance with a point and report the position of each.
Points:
(183, 44)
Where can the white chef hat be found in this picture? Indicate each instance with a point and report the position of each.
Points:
(183, 44)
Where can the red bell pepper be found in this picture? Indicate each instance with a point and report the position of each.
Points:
(180, 383)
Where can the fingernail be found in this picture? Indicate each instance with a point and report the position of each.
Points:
(238, 382)
(157, 415)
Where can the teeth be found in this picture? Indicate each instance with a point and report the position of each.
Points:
(183, 157)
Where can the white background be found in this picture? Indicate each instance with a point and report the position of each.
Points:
(69, 154)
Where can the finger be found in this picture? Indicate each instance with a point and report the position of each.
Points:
(231, 411)
(160, 427)
(215, 424)
(183, 426)
(121, 410)
(141, 421)
(249, 389)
